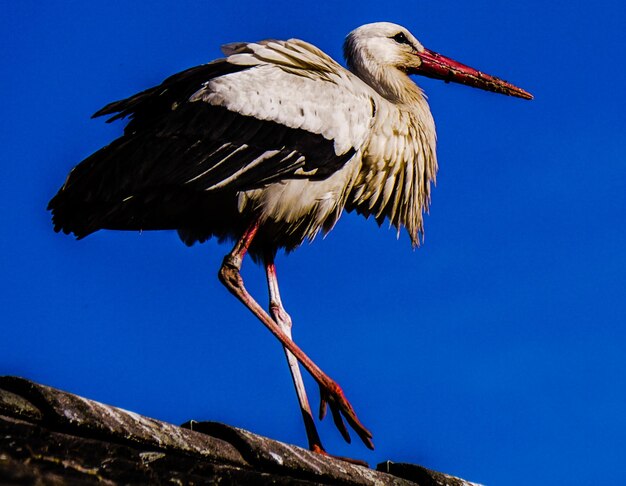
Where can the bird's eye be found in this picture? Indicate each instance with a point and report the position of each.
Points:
(400, 38)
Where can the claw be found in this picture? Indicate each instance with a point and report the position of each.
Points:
(366, 439)
(339, 424)
(331, 395)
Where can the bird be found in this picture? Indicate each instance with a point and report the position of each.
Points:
(267, 147)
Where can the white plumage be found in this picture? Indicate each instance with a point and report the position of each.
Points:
(391, 132)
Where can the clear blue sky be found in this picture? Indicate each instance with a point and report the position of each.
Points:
(496, 351)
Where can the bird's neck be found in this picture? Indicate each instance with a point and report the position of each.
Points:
(391, 83)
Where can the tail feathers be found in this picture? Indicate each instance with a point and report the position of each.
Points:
(79, 217)
(144, 211)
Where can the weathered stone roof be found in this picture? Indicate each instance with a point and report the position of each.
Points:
(48, 436)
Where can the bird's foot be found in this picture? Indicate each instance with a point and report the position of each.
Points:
(319, 450)
(332, 395)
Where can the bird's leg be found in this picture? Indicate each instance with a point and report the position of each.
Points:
(283, 319)
(331, 393)
(279, 314)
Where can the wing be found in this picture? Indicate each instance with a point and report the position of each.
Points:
(270, 111)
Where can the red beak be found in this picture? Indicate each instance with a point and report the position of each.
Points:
(440, 67)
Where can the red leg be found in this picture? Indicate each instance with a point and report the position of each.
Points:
(330, 392)
(283, 319)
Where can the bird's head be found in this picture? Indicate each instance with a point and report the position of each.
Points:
(380, 52)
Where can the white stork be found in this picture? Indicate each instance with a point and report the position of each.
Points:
(267, 147)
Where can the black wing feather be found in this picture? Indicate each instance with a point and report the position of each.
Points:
(177, 158)
(157, 101)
